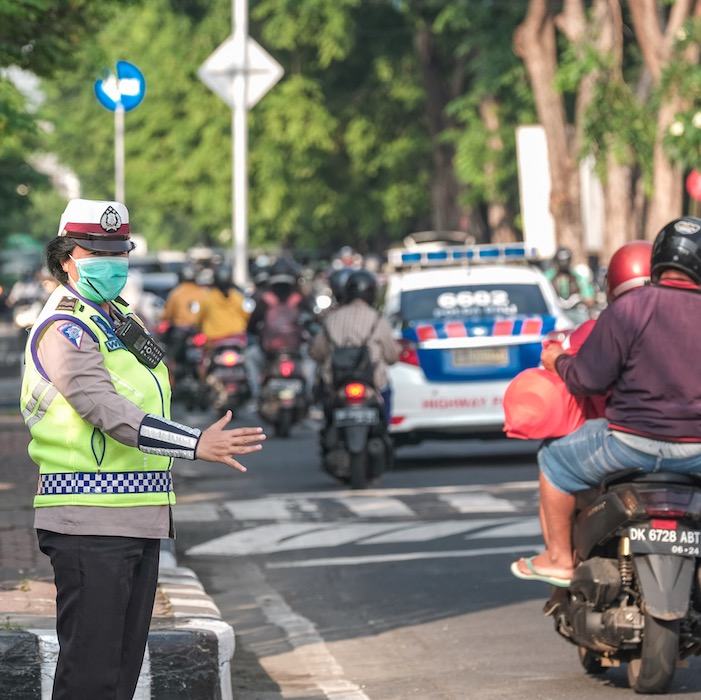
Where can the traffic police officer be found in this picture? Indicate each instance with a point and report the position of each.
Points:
(97, 403)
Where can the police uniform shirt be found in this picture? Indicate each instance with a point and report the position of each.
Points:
(78, 372)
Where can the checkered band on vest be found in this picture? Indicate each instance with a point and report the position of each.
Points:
(110, 482)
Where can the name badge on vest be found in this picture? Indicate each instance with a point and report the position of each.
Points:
(112, 342)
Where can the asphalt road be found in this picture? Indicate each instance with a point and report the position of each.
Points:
(396, 592)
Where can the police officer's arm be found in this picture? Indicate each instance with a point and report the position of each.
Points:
(76, 368)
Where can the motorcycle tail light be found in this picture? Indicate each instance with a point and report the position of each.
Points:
(664, 524)
(199, 340)
(229, 358)
(409, 355)
(666, 504)
(355, 392)
(286, 368)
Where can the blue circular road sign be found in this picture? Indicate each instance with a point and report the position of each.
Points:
(127, 88)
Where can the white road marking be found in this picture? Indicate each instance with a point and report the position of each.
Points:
(271, 508)
(285, 537)
(310, 663)
(477, 503)
(376, 506)
(196, 513)
(407, 556)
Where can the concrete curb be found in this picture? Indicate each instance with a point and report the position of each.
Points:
(188, 655)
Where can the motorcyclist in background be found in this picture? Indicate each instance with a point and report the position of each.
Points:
(223, 310)
(180, 313)
(283, 294)
(568, 281)
(353, 324)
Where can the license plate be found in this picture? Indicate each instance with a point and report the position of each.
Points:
(277, 384)
(356, 415)
(480, 357)
(645, 539)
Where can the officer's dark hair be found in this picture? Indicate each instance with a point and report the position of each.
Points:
(57, 251)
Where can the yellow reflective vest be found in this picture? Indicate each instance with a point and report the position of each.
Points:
(78, 463)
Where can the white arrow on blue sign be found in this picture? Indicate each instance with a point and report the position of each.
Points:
(127, 88)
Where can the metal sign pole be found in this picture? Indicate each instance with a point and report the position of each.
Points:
(119, 154)
(239, 132)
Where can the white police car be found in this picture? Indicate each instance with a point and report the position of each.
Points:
(469, 318)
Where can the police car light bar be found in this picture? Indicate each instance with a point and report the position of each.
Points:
(460, 255)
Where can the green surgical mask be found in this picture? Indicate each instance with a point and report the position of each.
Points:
(101, 278)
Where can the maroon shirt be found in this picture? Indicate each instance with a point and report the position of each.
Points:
(646, 349)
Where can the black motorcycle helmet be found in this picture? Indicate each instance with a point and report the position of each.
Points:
(283, 272)
(337, 282)
(361, 284)
(678, 247)
(223, 277)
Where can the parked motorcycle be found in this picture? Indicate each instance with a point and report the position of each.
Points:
(635, 596)
(283, 400)
(355, 445)
(225, 375)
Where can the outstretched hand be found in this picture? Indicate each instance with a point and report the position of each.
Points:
(218, 445)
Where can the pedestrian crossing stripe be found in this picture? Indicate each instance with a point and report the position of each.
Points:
(286, 536)
(367, 505)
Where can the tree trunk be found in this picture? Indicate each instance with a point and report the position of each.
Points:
(499, 218)
(535, 42)
(446, 212)
(656, 44)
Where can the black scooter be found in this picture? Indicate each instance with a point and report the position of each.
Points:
(355, 445)
(635, 596)
(283, 399)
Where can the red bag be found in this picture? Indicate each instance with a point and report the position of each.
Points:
(537, 405)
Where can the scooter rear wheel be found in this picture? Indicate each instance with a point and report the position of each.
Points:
(359, 471)
(283, 425)
(653, 671)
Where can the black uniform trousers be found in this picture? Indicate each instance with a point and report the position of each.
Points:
(105, 590)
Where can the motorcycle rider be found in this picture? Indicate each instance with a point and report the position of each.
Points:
(639, 351)
(567, 280)
(181, 311)
(357, 323)
(282, 292)
(536, 403)
(222, 309)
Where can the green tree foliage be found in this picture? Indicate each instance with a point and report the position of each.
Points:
(486, 157)
(41, 36)
(337, 150)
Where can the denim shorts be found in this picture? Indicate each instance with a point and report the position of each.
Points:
(582, 459)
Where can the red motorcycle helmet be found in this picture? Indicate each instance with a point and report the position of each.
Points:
(629, 268)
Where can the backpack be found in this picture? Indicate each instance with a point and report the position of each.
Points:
(282, 328)
(351, 362)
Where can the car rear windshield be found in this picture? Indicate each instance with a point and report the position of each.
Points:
(468, 302)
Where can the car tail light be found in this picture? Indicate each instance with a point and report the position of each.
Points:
(286, 368)
(199, 339)
(396, 420)
(355, 392)
(228, 358)
(161, 328)
(409, 355)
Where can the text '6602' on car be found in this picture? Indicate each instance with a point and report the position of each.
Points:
(469, 318)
